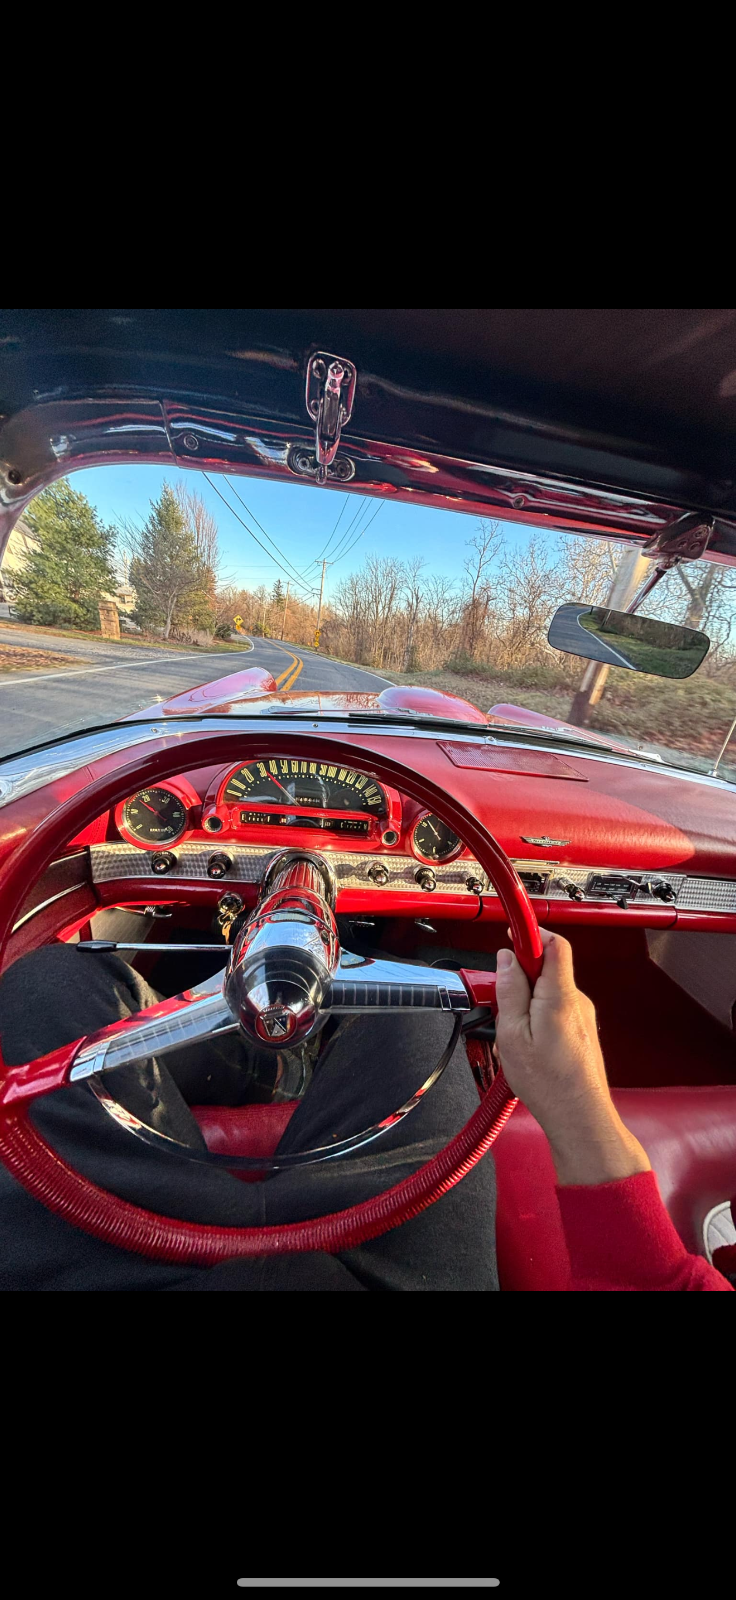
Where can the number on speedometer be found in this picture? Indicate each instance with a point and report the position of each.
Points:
(282, 780)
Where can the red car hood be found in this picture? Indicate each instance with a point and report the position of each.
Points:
(255, 690)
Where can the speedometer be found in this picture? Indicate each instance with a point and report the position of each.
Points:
(282, 780)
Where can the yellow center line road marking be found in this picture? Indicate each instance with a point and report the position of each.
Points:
(280, 681)
(284, 675)
(292, 680)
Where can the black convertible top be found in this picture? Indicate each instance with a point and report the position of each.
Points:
(610, 421)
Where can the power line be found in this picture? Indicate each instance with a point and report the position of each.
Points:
(358, 537)
(326, 547)
(233, 513)
(342, 538)
(351, 525)
(258, 524)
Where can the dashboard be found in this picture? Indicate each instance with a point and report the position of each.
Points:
(286, 800)
(594, 842)
(223, 824)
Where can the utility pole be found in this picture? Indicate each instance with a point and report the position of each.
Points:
(628, 577)
(286, 602)
(319, 612)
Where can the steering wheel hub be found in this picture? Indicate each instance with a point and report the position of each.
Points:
(285, 956)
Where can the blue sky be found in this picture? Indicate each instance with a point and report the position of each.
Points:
(299, 518)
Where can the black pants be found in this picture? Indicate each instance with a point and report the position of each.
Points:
(367, 1070)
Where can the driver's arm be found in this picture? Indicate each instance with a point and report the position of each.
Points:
(618, 1232)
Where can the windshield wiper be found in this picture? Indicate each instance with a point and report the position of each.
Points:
(491, 733)
(573, 738)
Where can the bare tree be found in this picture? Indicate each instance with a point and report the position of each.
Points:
(442, 612)
(203, 525)
(587, 567)
(486, 545)
(413, 592)
(529, 588)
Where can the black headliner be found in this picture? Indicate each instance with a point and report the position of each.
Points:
(660, 369)
(644, 400)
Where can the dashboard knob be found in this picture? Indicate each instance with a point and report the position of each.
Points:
(377, 873)
(218, 865)
(474, 885)
(426, 879)
(162, 862)
(573, 889)
(663, 890)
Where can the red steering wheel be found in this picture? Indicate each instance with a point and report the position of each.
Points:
(43, 1173)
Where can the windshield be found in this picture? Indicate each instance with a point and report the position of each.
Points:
(123, 588)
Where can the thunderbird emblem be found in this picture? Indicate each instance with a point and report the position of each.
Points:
(544, 843)
(278, 1022)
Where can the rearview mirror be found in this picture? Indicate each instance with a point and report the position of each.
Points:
(620, 640)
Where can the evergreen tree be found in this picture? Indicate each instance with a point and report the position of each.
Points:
(171, 580)
(70, 568)
(278, 593)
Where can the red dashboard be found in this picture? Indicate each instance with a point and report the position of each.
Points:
(593, 840)
(596, 840)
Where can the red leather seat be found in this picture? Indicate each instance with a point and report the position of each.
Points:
(244, 1130)
(689, 1135)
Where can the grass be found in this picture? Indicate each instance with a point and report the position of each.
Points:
(646, 657)
(693, 715)
(18, 658)
(214, 646)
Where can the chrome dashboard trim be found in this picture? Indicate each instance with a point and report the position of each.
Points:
(350, 868)
(692, 893)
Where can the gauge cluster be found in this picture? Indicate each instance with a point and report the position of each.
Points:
(309, 803)
(303, 797)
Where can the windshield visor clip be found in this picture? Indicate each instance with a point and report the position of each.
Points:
(330, 393)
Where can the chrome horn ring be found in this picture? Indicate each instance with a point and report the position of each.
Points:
(286, 976)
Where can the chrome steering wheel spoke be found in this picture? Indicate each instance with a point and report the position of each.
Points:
(365, 983)
(195, 1015)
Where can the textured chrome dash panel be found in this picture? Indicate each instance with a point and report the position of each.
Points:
(707, 894)
(114, 861)
(351, 868)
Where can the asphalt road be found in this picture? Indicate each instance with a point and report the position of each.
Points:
(568, 635)
(118, 679)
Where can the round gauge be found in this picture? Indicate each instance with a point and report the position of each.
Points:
(313, 785)
(432, 840)
(155, 816)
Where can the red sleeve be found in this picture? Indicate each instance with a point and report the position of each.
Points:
(620, 1236)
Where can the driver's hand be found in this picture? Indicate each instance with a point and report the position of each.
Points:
(548, 1046)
